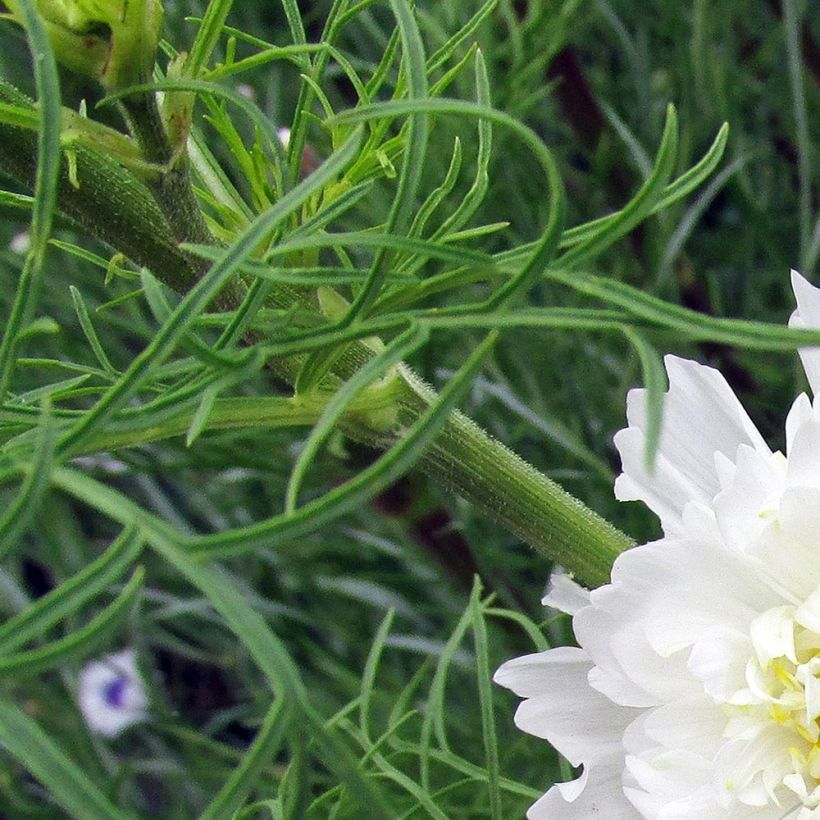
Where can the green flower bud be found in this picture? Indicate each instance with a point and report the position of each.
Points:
(111, 41)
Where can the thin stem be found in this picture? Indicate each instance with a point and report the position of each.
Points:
(172, 185)
(269, 413)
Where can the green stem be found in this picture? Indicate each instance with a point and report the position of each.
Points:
(172, 185)
(115, 207)
(133, 429)
(110, 203)
(492, 477)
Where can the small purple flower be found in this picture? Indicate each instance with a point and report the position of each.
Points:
(112, 694)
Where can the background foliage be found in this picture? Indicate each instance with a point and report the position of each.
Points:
(378, 631)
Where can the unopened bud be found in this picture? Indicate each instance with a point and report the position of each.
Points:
(111, 41)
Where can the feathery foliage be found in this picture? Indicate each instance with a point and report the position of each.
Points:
(219, 442)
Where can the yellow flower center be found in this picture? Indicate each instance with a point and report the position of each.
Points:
(783, 680)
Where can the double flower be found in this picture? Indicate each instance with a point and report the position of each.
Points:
(695, 691)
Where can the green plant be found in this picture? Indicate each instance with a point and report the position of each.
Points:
(216, 307)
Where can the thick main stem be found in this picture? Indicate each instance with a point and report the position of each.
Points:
(115, 207)
(110, 203)
(512, 492)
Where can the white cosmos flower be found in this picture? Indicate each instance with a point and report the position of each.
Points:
(111, 693)
(695, 693)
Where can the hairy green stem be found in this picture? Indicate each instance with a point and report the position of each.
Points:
(115, 207)
(515, 494)
(109, 202)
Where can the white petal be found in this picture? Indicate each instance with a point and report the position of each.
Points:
(812, 692)
(807, 315)
(701, 805)
(772, 634)
(628, 669)
(597, 629)
(741, 508)
(726, 470)
(666, 678)
(565, 595)
(692, 724)
(804, 455)
(787, 550)
(665, 491)
(616, 686)
(579, 722)
(540, 672)
(808, 613)
(741, 764)
(718, 659)
(670, 629)
(601, 796)
(800, 412)
(670, 774)
(701, 417)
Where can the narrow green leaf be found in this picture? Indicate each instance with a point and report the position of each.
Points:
(53, 391)
(421, 795)
(475, 195)
(295, 54)
(19, 116)
(437, 195)
(212, 175)
(332, 210)
(425, 248)
(404, 200)
(90, 334)
(375, 368)
(794, 31)
(41, 326)
(45, 189)
(77, 644)
(675, 191)
(268, 739)
(201, 416)
(14, 200)
(533, 631)
(207, 36)
(294, 18)
(739, 332)
(445, 105)
(313, 276)
(654, 380)
(16, 518)
(436, 706)
(464, 33)
(639, 207)
(380, 74)
(369, 673)
(61, 777)
(70, 595)
(485, 699)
